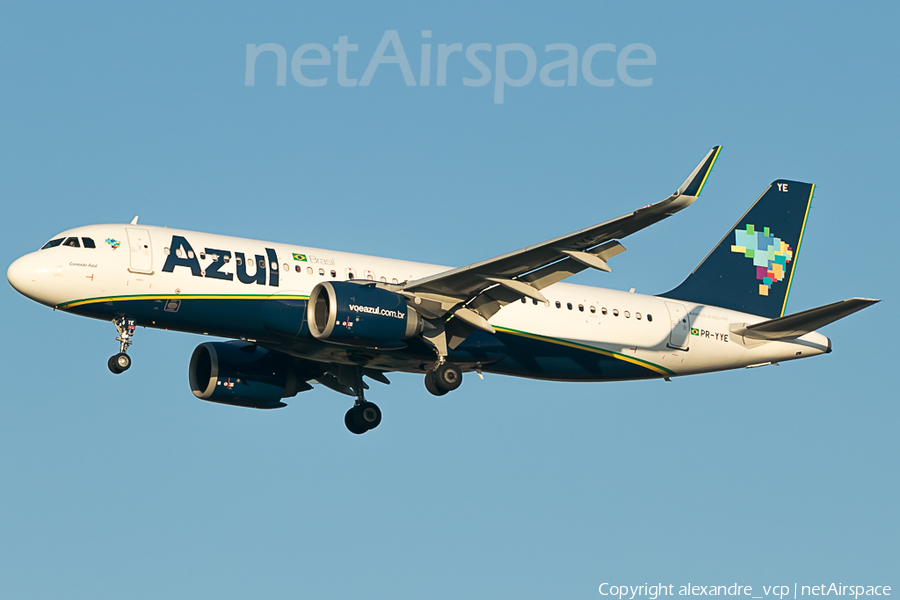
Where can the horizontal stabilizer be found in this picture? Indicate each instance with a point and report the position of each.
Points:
(801, 323)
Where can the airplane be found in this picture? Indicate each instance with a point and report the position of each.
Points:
(297, 316)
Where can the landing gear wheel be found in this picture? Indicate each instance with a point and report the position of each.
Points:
(364, 415)
(447, 377)
(431, 386)
(369, 415)
(353, 421)
(119, 363)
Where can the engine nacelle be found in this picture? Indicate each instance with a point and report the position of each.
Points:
(243, 374)
(353, 313)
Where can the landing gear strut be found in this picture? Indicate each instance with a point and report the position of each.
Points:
(121, 362)
(364, 415)
(444, 378)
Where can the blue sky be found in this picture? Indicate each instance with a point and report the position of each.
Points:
(129, 486)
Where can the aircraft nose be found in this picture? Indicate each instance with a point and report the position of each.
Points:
(23, 276)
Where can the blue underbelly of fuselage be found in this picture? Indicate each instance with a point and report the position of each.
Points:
(280, 324)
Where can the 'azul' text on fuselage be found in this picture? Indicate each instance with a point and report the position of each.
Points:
(181, 254)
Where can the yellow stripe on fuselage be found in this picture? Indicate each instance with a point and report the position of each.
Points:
(577, 346)
(82, 302)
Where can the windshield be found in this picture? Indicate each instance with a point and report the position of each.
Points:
(52, 243)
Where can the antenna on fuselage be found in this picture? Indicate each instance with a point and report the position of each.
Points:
(134, 220)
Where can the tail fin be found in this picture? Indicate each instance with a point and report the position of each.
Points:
(750, 270)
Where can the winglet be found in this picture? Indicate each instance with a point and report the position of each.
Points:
(693, 185)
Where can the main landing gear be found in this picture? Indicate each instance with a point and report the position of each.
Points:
(364, 415)
(121, 362)
(444, 378)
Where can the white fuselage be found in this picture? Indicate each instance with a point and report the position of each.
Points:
(667, 337)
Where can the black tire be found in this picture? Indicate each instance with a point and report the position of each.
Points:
(353, 421)
(369, 415)
(431, 386)
(447, 377)
(119, 363)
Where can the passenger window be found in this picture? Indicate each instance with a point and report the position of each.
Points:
(72, 242)
(286, 267)
(649, 317)
(227, 258)
(237, 259)
(558, 304)
(615, 312)
(581, 307)
(298, 268)
(637, 316)
(350, 275)
(523, 300)
(394, 280)
(593, 310)
(309, 270)
(383, 279)
(52, 243)
(166, 252)
(262, 264)
(533, 301)
(627, 315)
(334, 273)
(203, 256)
(88, 243)
(190, 254)
(322, 272)
(603, 310)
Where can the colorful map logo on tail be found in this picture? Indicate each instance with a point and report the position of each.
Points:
(770, 254)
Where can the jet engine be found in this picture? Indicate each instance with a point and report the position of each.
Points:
(243, 374)
(360, 314)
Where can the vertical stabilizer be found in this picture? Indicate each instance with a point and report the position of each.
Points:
(751, 268)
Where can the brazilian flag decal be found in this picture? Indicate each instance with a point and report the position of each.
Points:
(300, 257)
(695, 331)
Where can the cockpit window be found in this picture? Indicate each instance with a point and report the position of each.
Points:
(88, 243)
(72, 242)
(52, 243)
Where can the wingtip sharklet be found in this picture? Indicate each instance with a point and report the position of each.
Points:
(693, 185)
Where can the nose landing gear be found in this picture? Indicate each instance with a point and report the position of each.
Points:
(121, 362)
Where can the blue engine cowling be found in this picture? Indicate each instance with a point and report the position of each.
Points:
(360, 314)
(243, 374)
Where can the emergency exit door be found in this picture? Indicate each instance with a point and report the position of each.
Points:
(680, 335)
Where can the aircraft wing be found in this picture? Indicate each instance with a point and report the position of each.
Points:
(484, 287)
